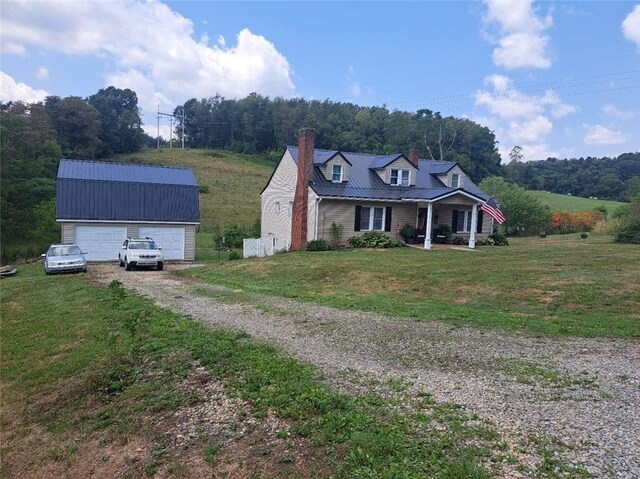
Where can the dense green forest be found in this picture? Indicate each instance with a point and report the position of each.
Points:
(257, 124)
(605, 178)
(33, 138)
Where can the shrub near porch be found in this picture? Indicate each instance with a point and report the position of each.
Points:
(558, 285)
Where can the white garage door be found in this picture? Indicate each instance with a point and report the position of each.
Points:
(102, 243)
(169, 238)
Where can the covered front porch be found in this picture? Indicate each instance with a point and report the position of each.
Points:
(456, 216)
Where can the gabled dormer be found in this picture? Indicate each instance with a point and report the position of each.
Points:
(334, 168)
(454, 177)
(395, 170)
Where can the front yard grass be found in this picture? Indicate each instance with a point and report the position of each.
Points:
(559, 285)
(93, 379)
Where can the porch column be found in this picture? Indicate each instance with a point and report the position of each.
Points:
(427, 230)
(474, 226)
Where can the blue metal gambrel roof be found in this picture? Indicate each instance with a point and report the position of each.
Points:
(365, 183)
(100, 191)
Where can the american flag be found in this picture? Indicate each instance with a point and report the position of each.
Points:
(491, 207)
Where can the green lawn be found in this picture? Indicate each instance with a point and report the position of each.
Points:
(92, 376)
(559, 202)
(559, 285)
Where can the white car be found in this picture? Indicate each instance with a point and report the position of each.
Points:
(64, 258)
(140, 252)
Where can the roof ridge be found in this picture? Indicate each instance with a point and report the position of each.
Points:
(148, 165)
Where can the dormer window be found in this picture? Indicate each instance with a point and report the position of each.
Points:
(455, 180)
(400, 177)
(336, 174)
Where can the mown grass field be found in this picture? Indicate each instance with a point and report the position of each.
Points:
(234, 182)
(559, 202)
(559, 285)
(93, 378)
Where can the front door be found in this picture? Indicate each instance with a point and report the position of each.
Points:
(422, 224)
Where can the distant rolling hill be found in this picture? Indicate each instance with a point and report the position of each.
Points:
(558, 202)
(234, 182)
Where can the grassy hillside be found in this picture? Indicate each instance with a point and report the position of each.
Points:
(558, 202)
(234, 181)
(560, 285)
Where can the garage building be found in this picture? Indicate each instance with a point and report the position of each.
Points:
(100, 204)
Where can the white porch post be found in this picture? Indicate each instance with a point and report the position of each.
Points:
(474, 226)
(427, 231)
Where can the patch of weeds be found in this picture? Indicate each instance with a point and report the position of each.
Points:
(526, 372)
(552, 466)
(623, 378)
(287, 459)
(159, 450)
(399, 384)
(211, 453)
(150, 468)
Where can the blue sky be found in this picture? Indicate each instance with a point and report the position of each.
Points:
(555, 78)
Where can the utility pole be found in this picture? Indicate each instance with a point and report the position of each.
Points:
(183, 128)
(171, 118)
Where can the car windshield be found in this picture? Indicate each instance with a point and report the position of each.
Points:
(142, 245)
(64, 250)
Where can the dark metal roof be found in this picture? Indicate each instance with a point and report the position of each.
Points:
(91, 190)
(365, 183)
(130, 173)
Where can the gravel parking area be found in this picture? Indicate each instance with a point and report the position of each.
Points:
(577, 399)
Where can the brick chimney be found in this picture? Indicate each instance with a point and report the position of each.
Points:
(413, 157)
(306, 140)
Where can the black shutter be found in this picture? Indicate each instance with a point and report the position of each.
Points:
(356, 226)
(454, 221)
(480, 218)
(387, 219)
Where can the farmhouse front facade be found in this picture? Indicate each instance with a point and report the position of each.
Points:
(364, 192)
(100, 204)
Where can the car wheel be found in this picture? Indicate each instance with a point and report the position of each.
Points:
(127, 266)
(160, 266)
(120, 262)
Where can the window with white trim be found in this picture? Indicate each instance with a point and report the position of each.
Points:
(290, 207)
(277, 207)
(463, 224)
(455, 180)
(400, 177)
(336, 174)
(372, 219)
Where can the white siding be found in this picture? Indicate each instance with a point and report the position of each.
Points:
(281, 189)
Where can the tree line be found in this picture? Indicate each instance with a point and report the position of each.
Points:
(258, 124)
(33, 138)
(605, 178)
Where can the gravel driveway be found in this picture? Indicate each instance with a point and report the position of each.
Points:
(578, 398)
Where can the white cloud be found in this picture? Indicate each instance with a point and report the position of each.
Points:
(613, 111)
(11, 90)
(151, 46)
(354, 85)
(520, 119)
(533, 130)
(520, 35)
(601, 135)
(631, 26)
(43, 73)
